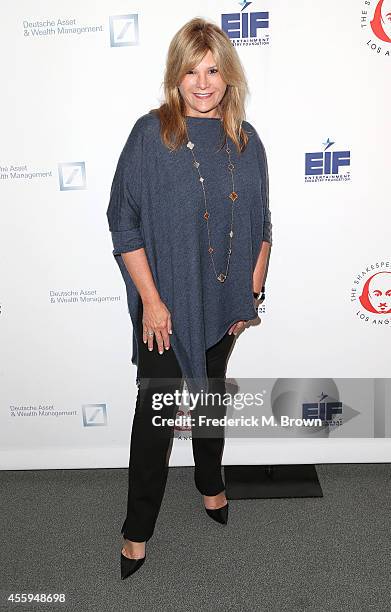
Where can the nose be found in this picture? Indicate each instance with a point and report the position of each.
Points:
(202, 81)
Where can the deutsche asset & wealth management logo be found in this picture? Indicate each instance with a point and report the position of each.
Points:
(326, 165)
(124, 30)
(94, 415)
(246, 28)
(72, 175)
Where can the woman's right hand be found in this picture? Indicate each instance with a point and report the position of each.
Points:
(156, 319)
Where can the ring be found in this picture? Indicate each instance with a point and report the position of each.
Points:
(150, 333)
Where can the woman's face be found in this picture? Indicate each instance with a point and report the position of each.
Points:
(203, 79)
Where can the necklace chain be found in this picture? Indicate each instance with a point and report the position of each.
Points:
(233, 196)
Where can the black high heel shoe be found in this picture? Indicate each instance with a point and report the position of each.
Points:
(129, 566)
(219, 514)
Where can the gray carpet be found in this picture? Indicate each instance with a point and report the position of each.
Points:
(61, 534)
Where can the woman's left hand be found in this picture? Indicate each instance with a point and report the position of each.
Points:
(237, 327)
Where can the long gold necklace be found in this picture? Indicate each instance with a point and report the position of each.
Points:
(233, 196)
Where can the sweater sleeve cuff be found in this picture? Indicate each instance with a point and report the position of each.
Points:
(267, 235)
(125, 241)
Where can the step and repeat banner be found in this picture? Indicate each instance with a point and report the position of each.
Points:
(75, 78)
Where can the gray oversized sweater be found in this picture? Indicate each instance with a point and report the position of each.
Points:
(156, 202)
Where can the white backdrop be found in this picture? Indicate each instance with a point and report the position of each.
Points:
(75, 77)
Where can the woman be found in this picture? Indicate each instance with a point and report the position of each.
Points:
(191, 230)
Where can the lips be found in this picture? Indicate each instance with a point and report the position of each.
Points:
(202, 96)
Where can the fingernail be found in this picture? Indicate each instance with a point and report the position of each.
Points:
(160, 352)
(170, 332)
(149, 348)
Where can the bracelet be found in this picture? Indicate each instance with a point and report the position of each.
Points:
(260, 294)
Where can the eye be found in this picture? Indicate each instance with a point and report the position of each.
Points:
(212, 70)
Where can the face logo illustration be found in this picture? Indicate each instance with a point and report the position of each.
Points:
(381, 22)
(376, 22)
(372, 289)
(184, 422)
(376, 293)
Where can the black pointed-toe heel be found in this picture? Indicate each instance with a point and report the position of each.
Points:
(129, 566)
(219, 514)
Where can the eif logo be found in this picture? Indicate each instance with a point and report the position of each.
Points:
(246, 28)
(323, 410)
(72, 175)
(94, 415)
(327, 165)
(124, 30)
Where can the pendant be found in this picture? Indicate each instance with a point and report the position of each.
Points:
(221, 277)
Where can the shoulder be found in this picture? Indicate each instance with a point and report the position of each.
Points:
(142, 131)
(146, 125)
(255, 139)
(251, 131)
(248, 127)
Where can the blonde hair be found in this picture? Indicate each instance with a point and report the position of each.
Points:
(186, 51)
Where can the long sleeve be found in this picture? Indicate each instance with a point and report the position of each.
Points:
(123, 213)
(267, 224)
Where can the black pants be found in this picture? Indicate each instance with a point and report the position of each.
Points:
(150, 445)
